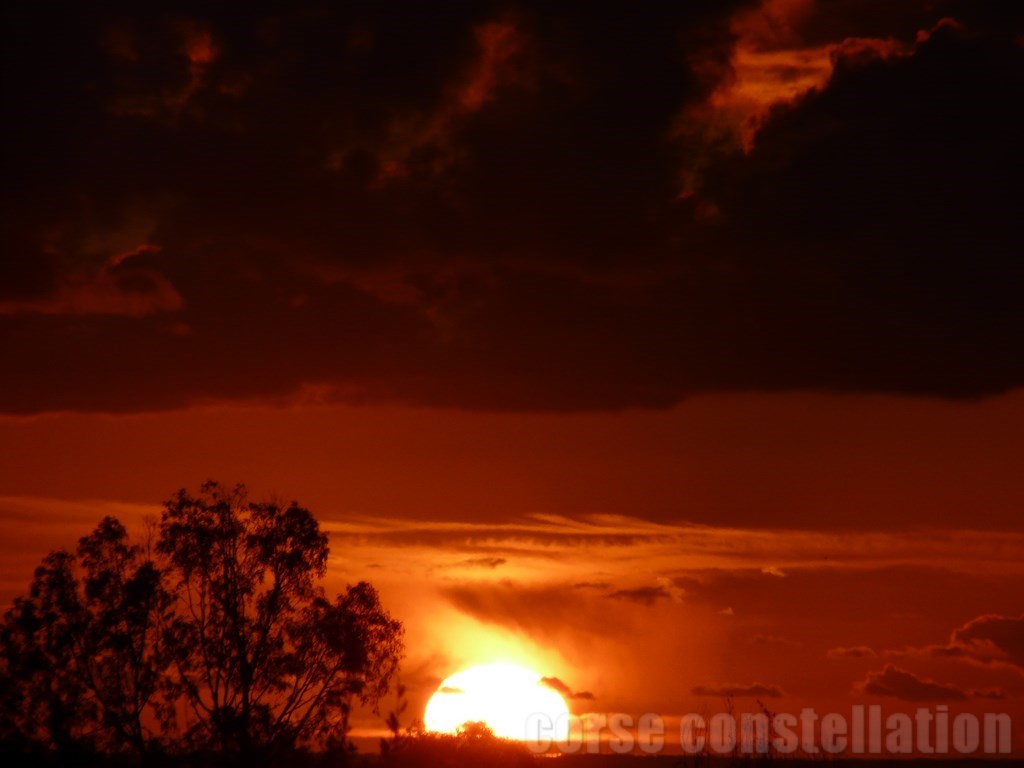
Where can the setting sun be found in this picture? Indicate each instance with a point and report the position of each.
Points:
(503, 696)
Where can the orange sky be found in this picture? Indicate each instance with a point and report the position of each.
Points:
(735, 540)
(667, 352)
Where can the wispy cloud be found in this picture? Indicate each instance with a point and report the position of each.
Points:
(855, 652)
(619, 541)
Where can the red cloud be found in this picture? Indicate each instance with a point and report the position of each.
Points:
(499, 47)
(498, 43)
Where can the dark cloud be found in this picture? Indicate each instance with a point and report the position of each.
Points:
(993, 637)
(641, 595)
(555, 684)
(326, 202)
(757, 690)
(989, 640)
(826, 21)
(898, 683)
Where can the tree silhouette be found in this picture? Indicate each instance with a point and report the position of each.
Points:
(44, 701)
(263, 659)
(217, 639)
(85, 655)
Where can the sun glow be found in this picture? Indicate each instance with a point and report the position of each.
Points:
(506, 697)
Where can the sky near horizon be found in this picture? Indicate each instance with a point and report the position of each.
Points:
(672, 351)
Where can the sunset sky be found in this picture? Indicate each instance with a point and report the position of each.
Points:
(669, 349)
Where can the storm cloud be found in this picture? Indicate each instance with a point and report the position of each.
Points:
(527, 208)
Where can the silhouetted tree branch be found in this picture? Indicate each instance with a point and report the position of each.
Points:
(264, 659)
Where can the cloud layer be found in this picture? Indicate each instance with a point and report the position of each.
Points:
(328, 204)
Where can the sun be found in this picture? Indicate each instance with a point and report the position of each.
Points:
(511, 700)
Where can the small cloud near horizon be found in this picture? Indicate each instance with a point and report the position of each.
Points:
(895, 682)
(556, 684)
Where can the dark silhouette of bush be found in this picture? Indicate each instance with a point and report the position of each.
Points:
(473, 746)
(216, 641)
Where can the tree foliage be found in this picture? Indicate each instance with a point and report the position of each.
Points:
(217, 638)
(264, 658)
(84, 652)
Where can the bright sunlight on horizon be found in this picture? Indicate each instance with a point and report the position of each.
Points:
(505, 697)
